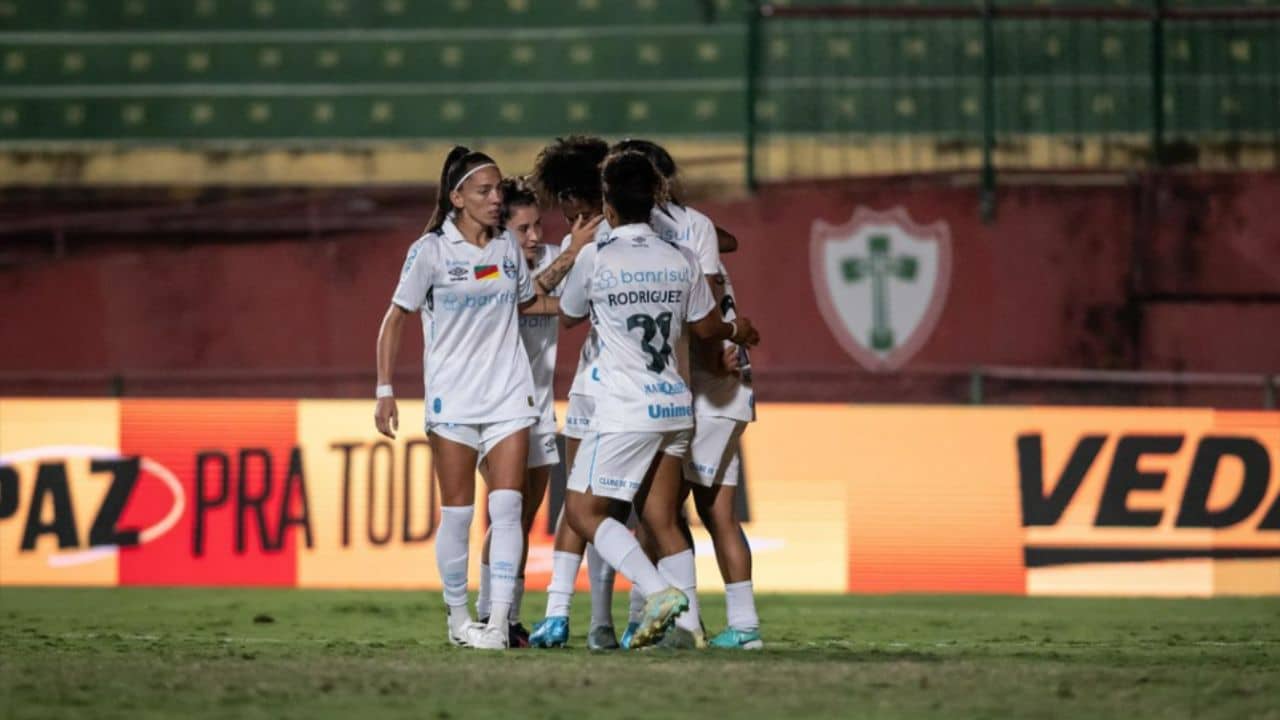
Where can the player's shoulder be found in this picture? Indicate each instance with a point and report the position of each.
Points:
(425, 247)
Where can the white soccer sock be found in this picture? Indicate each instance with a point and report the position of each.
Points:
(602, 575)
(680, 571)
(482, 598)
(564, 573)
(451, 553)
(740, 602)
(506, 543)
(459, 618)
(636, 612)
(514, 616)
(619, 548)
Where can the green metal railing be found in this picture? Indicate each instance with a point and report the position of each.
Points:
(841, 90)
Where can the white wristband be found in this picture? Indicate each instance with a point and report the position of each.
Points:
(383, 391)
(733, 325)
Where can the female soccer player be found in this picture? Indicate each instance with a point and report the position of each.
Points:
(539, 333)
(567, 174)
(640, 292)
(723, 405)
(467, 279)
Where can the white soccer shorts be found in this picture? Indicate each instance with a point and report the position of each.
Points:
(613, 465)
(481, 437)
(577, 417)
(714, 454)
(543, 450)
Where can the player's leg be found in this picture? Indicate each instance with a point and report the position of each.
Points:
(455, 462)
(712, 474)
(594, 489)
(535, 490)
(506, 447)
(661, 515)
(566, 559)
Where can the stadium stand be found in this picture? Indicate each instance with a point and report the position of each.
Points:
(191, 73)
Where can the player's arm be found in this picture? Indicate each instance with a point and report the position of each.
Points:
(575, 300)
(412, 293)
(540, 304)
(385, 415)
(710, 354)
(715, 328)
(709, 325)
(726, 241)
(580, 235)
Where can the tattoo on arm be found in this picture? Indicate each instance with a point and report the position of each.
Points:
(548, 279)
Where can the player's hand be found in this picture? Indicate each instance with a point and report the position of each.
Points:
(747, 334)
(387, 417)
(730, 360)
(583, 231)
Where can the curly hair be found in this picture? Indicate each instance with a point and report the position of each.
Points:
(570, 168)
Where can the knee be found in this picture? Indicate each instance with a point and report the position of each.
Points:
(455, 521)
(505, 508)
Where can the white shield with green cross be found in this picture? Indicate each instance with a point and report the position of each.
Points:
(881, 281)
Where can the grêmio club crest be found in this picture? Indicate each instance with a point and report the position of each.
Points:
(881, 281)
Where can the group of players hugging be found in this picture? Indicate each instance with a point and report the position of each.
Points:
(657, 408)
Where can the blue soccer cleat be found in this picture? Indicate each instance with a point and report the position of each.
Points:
(552, 632)
(630, 633)
(733, 638)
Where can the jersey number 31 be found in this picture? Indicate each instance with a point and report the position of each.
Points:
(649, 325)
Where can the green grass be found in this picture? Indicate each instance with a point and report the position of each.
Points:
(201, 653)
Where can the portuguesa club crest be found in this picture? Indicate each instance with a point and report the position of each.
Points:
(881, 281)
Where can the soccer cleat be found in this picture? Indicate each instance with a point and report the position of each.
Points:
(517, 636)
(660, 610)
(677, 638)
(628, 634)
(741, 639)
(483, 637)
(552, 632)
(460, 636)
(602, 637)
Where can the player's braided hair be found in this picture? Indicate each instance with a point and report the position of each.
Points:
(633, 186)
(517, 191)
(570, 168)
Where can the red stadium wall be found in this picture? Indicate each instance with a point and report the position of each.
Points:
(1072, 276)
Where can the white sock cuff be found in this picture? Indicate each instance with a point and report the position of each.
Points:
(458, 514)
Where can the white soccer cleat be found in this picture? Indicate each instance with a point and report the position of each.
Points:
(459, 636)
(485, 637)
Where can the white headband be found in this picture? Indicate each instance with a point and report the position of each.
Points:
(471, 172)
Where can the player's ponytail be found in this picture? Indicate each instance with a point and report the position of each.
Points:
(457, 164)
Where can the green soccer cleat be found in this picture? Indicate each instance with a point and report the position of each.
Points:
(628, 634)
(733, 638)
(602, 637)
(660, 610)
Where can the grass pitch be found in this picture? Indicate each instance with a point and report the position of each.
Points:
(162, 653)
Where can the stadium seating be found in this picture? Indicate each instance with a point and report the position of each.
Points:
(177, 71)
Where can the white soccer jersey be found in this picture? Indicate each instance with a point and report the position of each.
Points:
(584, 380)
(476, 369)
(539, 334)
(640, 291)
(723, 395)
(689, 228)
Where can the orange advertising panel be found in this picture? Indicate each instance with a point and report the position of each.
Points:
(836, 498)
